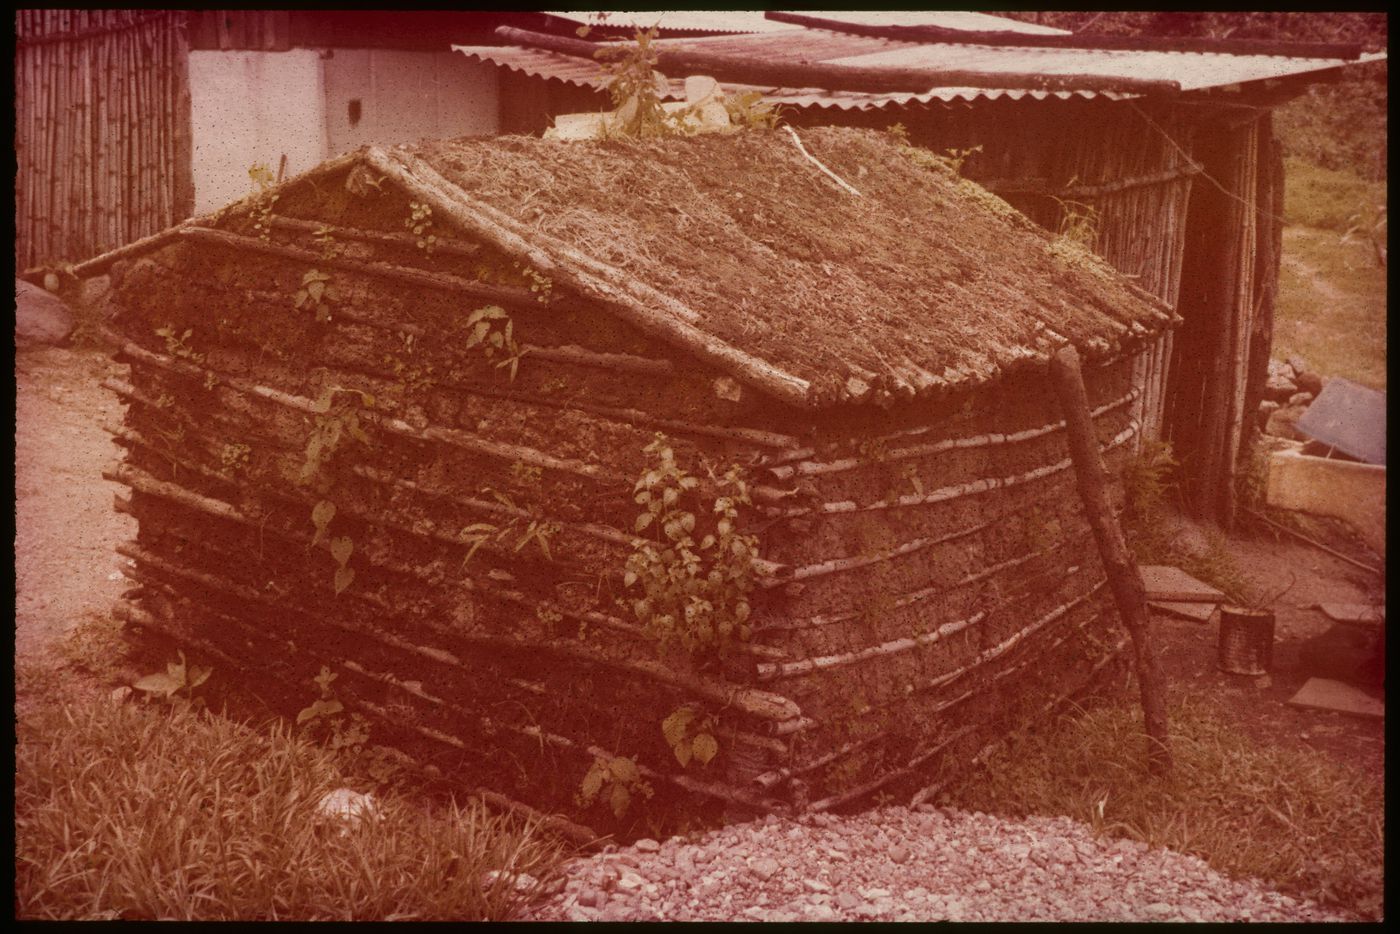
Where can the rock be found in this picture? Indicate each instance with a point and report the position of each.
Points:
(899, 854)
(1300, 398)
(41, 319)
(120, 694)
(1281, 424)
(647, 845)
(589, 898)
(1279, 388)
(821, 913)
(764, 868)
(521, 882)
(615, 913)
(630, 882)
(1266, 408)
(1309, 381)
(815, 885)
(1279, 368)
(982, 885)
(346, 805)
(1297, 364)
(1159, 909)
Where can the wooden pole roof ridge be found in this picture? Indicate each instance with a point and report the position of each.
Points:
(1086, 41)
(639, 304)
(834, 77)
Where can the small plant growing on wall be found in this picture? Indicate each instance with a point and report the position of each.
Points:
(636, 88)
(690, 735)
(683, 591)
(315, 295)
(175, 343)
(493, 331)
(616, 780)
(262, 207)
(536, 529)
(420, 222)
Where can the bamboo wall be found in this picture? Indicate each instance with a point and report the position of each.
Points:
(1231, 273)
(1207, 243)
(101, 130)
(915, 598)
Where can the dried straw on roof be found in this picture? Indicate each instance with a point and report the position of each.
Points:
(922, 277)
(740, 249)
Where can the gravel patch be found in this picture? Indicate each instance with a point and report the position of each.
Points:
(896, 864)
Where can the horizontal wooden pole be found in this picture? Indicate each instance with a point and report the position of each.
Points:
(451, 436)
(929, 791)
(404, 240)
(753, 702)
(808, 468)
(956, 492)
(423, 278)
(769, 779)
(1042, 186)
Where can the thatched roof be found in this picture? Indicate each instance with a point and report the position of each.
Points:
(740, 249)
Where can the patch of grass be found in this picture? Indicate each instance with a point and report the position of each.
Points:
(1325, 198)
(1341, 125)
(1294, 818)
(1332, 306)
(140, 811)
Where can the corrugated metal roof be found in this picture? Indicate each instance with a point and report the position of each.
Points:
(1194, 70)
(946, 19)
(551, 65)
(753, 21)
(730, 21)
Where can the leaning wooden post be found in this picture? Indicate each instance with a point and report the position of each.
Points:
(1123, 577)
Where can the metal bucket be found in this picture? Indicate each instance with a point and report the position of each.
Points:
(1246, 640)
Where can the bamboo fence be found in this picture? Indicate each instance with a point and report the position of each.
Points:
(101, 130)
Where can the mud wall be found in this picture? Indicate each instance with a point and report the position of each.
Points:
(341, 476)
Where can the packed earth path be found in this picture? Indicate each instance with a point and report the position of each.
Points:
(891, 863)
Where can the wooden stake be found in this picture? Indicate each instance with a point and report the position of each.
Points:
(1129, 593)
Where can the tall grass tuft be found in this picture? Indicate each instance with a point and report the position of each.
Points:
(1292, 817)
(139, 811)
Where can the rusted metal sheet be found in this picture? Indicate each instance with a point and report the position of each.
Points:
(1349, 417)
(1193, 70)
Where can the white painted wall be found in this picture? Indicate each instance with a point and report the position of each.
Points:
(250, 107)
(406, 96)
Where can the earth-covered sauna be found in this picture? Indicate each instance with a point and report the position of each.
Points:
(575, 460)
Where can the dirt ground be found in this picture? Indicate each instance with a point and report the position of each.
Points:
(65, 526)
(66, 568)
